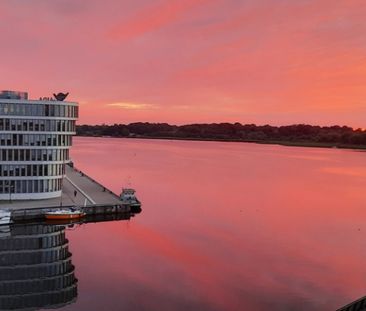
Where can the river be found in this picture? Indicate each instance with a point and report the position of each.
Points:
(224, 226)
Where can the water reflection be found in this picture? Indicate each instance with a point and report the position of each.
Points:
(35, 267)
(225, 226)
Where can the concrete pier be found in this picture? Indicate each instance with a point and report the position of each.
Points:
(91, 196)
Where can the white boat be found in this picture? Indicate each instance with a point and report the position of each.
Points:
(128, 197)
(65, 213)
(5, 217)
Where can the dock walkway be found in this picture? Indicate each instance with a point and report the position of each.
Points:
(89, 192)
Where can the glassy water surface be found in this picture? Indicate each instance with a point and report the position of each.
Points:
(224, 226)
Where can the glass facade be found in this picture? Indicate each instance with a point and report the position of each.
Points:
(35, 137)
(49, 109)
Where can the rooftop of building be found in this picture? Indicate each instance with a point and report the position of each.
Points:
(13, 95)
(17, 95)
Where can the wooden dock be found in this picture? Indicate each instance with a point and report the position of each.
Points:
(78, 190)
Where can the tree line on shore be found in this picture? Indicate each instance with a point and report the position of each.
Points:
(298, 133)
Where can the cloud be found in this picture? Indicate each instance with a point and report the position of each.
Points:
(346, 171)
(269, 61)
(132, 106)
(154, 17)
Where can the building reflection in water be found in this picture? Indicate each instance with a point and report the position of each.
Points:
(35, 267)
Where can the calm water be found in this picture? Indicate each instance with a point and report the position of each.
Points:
(224, 226)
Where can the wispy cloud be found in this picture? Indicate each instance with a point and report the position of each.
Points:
(154, 17)
(132, 106)
(187, 61)
(348, 171)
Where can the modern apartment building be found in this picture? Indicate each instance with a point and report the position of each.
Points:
(35, 138)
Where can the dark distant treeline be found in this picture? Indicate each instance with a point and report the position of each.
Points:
(300, 134)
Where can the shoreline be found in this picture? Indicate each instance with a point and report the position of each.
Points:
(269, 142)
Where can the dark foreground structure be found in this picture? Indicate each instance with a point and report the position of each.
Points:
(358, 305)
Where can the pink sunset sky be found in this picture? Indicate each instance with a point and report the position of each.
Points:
(188, 61)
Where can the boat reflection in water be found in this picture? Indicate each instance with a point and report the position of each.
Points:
(35, 267)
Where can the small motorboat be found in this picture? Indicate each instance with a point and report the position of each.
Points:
(5, 217)
(65, 213)
(128, 197)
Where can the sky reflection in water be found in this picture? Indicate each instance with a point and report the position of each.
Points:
(224, 226)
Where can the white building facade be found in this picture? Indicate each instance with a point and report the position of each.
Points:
(35, 138)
